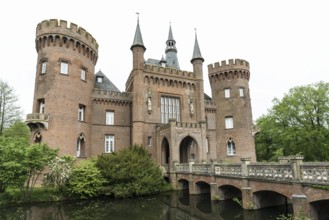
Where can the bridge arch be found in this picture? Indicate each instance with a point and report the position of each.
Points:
(165, 151)
(201, 187)
(229, 192)
(319, 209)
(182, 184)
(188, 150)
(267, 198)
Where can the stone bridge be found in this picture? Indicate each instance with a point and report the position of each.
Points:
(259, 185)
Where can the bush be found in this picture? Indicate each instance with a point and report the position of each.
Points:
(86, 179)
(130, 172)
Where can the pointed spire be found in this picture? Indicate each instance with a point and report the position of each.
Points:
(170, 36)
(171, 51)
(138, 40)
(196, 51)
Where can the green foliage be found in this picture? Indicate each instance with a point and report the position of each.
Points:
(86, 179)
(60, 170)
(18, 130)
(21, 164)
(300, 216)
(296, 124)
(130, 172)
(9, 110)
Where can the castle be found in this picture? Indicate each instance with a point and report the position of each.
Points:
(163, 107)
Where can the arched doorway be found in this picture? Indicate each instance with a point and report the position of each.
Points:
(165, 152)
(188, 150)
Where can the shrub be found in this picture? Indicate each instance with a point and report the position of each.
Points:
(86, 180)
(130, 172)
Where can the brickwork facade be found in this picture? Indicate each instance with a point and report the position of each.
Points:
(163, 108)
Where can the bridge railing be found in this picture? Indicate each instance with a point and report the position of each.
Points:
(227, 170)
(291, 169)
(277, 172)
(315, 172)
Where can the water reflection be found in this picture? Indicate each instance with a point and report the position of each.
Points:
(168, 206)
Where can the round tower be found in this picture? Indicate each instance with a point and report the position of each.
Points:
(64, 81)
(230, 91)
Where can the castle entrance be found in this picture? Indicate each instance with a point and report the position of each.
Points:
(188, 150)
(165, 152)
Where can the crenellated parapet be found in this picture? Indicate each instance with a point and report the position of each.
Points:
(100, 96)
(234, 68)
(210, 106)
(55, 32)
(169, 71)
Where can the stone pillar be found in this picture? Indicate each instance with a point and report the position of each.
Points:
(214, 191)
(300, 205)
(190, 164)
(192, 188)
(244, 166)
(296, 161)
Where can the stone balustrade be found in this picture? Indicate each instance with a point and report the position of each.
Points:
(291, 170)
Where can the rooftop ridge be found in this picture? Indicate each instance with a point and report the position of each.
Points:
(231, 64)
(61, 27)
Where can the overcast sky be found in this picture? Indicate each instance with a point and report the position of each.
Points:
(285, 41)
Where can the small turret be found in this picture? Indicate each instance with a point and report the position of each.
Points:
(171, 51)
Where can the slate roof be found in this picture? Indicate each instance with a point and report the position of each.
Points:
(106, 83)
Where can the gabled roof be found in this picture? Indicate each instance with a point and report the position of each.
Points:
(106, 84)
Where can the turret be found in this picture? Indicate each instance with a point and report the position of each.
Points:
(64, 80)
(171, 51)
(230, 91)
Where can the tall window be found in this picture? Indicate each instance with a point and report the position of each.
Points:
(64, 67)
(230, 147)
(149, 141)
(229, 122)
(83, 74)
(110, 118)
(43, 67)
(109, 143)
(170, 108)
(41, 106)
(227, 93)
(81, 113)
(241, 92)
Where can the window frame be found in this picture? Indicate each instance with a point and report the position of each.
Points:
(108, 141)
(83, 73)
(43, 67)
(227, 93)
(42, 105)
(229, 122)
(81, 112)
(64, 67)
(109, 117)
(241, 92)
(230, 147)
(170, 107)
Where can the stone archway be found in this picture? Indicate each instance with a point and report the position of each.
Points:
(165, 151)
(188, 150)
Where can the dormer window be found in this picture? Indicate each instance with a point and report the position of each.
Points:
(99, 79)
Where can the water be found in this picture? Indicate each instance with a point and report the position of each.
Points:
(167, 206)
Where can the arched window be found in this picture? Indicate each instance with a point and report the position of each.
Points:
(37, 137)
(81, 145)
(230, 147)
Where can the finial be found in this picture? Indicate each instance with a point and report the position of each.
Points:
(137, 13)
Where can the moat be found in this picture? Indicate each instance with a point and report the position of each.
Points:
(171, 205)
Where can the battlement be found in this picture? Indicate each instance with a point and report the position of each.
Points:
(100, 93)
(231, 65)
(169, 71)
(54, 26)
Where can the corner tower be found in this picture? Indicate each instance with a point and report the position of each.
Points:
(64, 80)
(230, 91)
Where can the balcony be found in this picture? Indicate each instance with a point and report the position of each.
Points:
(37, 120)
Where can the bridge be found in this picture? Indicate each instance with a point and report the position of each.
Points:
(305, 185)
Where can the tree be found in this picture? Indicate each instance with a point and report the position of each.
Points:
(18, 130)
(130, 172)
(21, 164)
(296, 124)
(9, 110)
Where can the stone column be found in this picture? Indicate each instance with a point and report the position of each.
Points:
(244, 166)
(300, 205)
(296, 161)
(214, 191)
